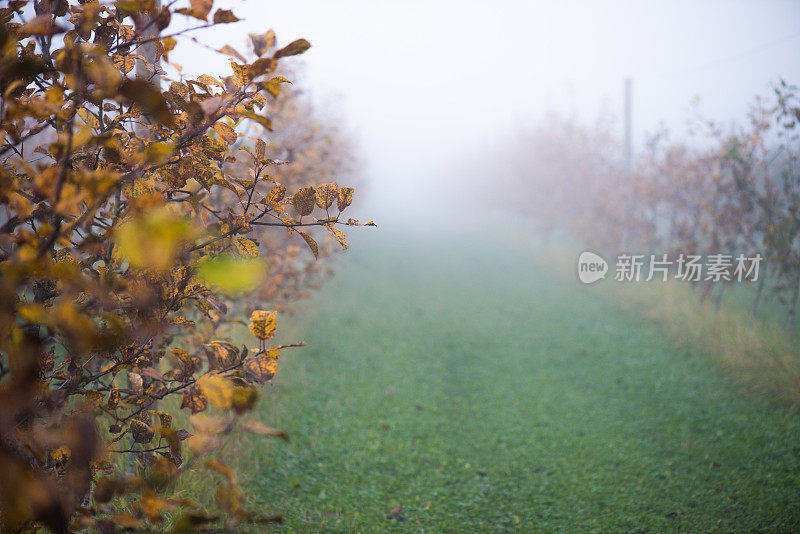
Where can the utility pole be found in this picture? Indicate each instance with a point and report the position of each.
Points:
(628, 119)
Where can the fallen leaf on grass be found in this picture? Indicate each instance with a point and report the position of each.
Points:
(396, 511)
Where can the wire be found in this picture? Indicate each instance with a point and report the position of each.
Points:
(725, 60)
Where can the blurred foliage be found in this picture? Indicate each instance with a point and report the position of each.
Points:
(132, 217)
(733, 191)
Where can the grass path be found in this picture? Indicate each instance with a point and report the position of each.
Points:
(483, 394)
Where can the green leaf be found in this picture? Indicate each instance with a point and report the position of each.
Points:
(153, 240)
(232, 275)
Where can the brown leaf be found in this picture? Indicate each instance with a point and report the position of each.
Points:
(136, 383)
(396, 511)
(113, 398)
(263, 42)
(194, 399)
(303, 200)
(201, 8)
(262, 66)
(149, 99)
(258, 427)
(225, 16)
(174, 443)
(228, 50)
(152, 373)
(190, 521)
(127, 521)
(292, 49)
(141, 432)
(222, 469)
(40, 26)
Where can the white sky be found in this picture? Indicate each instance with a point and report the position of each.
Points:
(424, 82)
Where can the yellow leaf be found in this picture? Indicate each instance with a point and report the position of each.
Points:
(246, 247)
(244, 398)
(326, 194)
(113, 398)
(263, 366)
(241, 72)
(311, 243)
(339, 235)
(61, 454)
(345, 197)
(263, 324)
(124, 63)
(217, 389)
(266, 122)
(225, 132)
(180, 320)
(275, 195)
(273, 86)
(205, 79)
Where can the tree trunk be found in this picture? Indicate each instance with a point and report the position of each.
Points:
(146, 29)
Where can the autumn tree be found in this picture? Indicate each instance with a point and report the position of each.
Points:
(309, 147)
(133, 214)
(736, 191)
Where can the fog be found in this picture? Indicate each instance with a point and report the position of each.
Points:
(424, 83)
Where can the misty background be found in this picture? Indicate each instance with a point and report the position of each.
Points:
(422, 84)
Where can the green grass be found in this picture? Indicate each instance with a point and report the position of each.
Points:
(458, 378)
